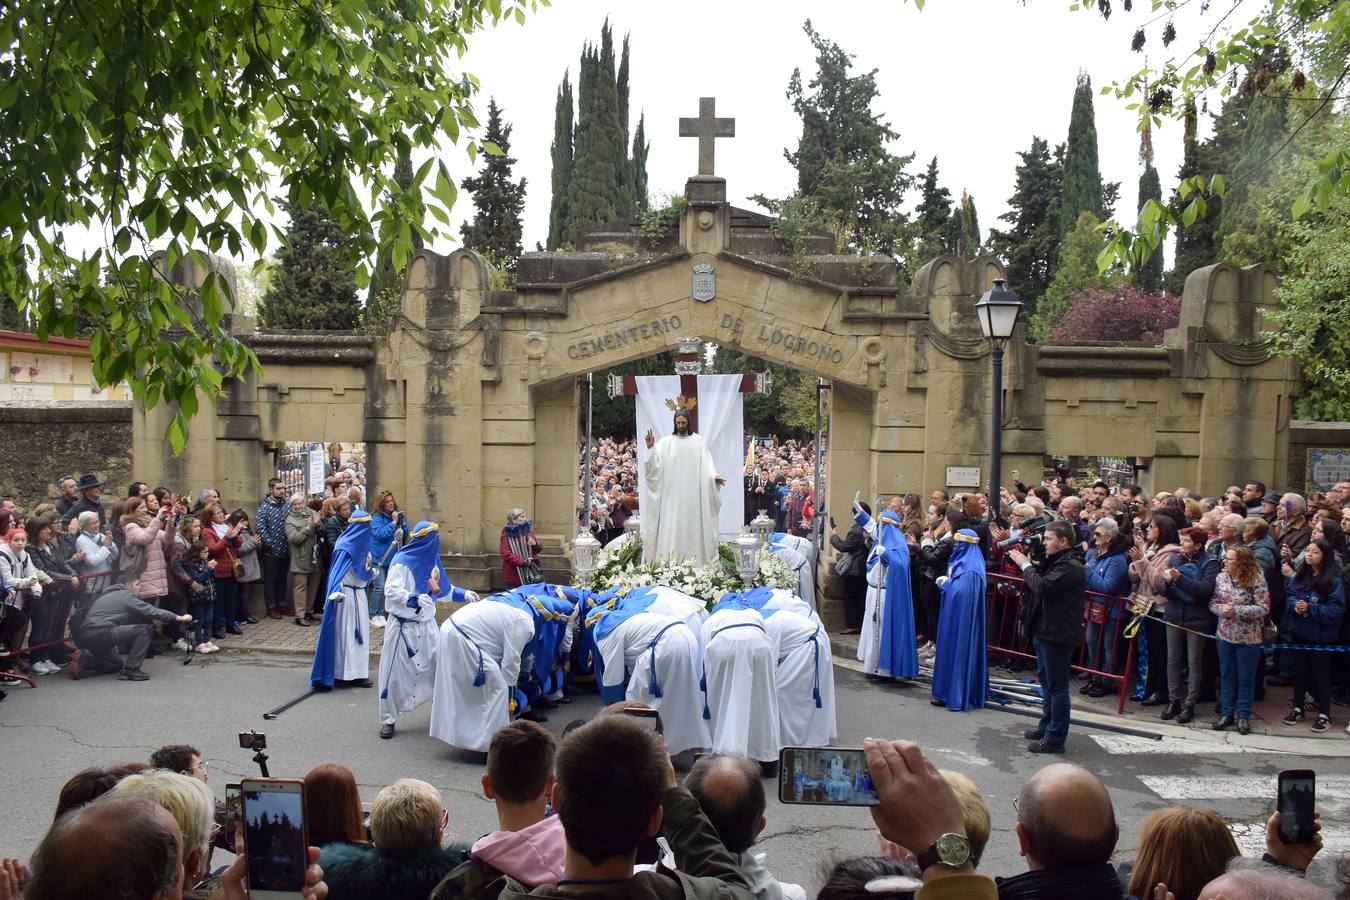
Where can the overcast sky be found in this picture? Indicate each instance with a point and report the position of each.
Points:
(970, 81)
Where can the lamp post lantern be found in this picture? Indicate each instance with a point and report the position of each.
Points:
(997, 313)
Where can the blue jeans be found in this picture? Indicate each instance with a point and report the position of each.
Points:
(1052, 667)
(225, 591)
(1103, 658)
(200, 606)
(1237, 674)
(376, 593)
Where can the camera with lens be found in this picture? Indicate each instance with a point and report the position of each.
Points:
(1031, 539)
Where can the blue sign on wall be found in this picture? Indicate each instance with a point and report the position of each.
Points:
(1326, 467)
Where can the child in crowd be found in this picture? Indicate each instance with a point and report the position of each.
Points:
(194, 569)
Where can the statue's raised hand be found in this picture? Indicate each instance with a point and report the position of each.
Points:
(651, 440)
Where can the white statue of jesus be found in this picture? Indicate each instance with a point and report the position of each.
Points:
(680, 516)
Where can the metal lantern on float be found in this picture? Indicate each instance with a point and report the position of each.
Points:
(633, 525)
(748, 549)
(584, 547)
(762, 526)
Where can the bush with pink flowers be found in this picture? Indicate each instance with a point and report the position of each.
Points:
(1125, 313)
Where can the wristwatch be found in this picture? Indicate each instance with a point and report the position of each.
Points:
(948, 850)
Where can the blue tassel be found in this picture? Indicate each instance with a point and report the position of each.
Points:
(480, 679)
(815, 695)
(359, 639)
(706, 714)
(655, 688)
(411, 651)
(384, 694)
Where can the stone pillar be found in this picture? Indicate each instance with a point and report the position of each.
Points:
(436, 353)
(706, 226)
(1244, 394)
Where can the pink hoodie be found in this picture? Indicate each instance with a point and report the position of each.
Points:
(532, 856)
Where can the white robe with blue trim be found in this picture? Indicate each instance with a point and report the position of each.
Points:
(491, 634)
(742, 697)
(626, 650)
(351, 654)
(408, 658)
(804, 662)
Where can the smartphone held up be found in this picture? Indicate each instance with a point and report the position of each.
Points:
(275, 840)
(1296, 800)
(825, 776)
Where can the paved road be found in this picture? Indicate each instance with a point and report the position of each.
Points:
(50, 732)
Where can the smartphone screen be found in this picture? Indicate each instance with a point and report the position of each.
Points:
(234, 814)
(825, 776)
(647, 717)
(1296, 801)
(274, 836)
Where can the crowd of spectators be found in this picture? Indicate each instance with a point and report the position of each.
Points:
(602, 812)
(778, 480)
(89, 585)
(1225, 578)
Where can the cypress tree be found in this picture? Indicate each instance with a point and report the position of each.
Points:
(562, 164)
(383, 277)
(637, 163)
(1030, 246)
(601, 149)
(1082, 177)
(1149, 275)
(963, 229)
(625, 203)
(1195, 244)
(314, 283)
(842, 160)
(931, 219)
(498, 200)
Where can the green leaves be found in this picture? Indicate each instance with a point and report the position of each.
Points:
(166, 130)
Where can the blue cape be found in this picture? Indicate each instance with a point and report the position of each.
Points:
(351, 554)
(616, 606)
(961, 670)
(897, 655)
(422, 555)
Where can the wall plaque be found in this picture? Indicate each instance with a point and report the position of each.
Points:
(963, 476)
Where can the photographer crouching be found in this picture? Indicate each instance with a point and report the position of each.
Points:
(1052, 614)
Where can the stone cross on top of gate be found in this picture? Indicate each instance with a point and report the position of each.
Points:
(707, 128)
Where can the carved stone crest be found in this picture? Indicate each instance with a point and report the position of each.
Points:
(705, 282)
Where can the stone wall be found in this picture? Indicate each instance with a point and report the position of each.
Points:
(48, 442)
(1329, 442)
(470, 405)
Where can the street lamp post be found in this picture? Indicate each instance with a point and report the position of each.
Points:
(997, 313)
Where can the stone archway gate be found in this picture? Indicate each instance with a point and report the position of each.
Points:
(469, 406)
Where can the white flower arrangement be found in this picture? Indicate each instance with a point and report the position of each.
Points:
(624, 568)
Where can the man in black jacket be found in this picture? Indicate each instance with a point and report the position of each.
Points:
(90, 489)
(117, 618)
(1066, 830)
(855, 574)
(1052, 613)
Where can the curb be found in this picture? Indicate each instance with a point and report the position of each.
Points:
(1332, 744)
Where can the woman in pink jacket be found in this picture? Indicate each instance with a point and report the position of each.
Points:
(152, 533)
(1148, 560)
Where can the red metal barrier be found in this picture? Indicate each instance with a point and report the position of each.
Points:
(1003, 638)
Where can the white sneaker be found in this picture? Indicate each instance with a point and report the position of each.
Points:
(212, 647)
(42, 667)
(203, 648)
(377, 621)
(182, 644)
